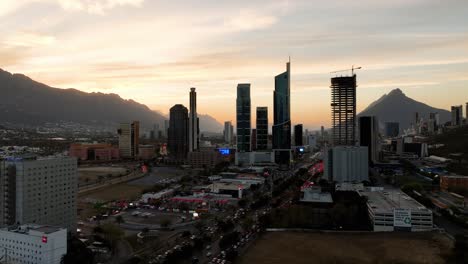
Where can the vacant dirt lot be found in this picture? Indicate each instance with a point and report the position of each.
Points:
(302, 248)
(92, 174)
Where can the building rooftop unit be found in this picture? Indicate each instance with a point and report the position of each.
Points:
(30, 228)
(389, 199)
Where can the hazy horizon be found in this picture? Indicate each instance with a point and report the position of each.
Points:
(153, 52)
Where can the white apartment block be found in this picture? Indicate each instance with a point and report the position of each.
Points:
(38, 191)
(32, 244)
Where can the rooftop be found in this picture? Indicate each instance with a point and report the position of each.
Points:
(389, 199)
(25, 229)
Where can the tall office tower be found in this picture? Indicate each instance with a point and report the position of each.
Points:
(243, 117)
(38, 191)
(369, 136)
(282, 118)
(129, 136)
(392, 129)
(343, 95)
(298, 135)
(262, 128)
(228, 132)
(253, 137)
(322, 133)
(178, 132)
(457, 115)
(166, 128)
(194, 129)
(432, 123)
(466, 114)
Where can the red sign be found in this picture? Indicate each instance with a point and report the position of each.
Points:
(44, 239)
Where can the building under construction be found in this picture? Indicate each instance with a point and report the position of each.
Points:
(343, 104)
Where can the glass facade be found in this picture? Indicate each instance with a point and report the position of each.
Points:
(243, 117)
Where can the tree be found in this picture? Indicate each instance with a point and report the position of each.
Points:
(119, 219)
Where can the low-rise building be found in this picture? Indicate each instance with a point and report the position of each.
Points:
(94, 151)
(393, 210)
(33, 244)
(146, 152)
(450, 181)
(204, 159)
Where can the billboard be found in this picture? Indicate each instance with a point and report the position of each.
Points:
(402, 218)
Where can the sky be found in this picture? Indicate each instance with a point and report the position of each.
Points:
(153, 51)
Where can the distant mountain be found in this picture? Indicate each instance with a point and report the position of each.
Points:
(29, 103)
(209, 124)
(397, 107)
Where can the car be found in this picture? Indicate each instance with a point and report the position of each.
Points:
(208, 254)
(208, 247)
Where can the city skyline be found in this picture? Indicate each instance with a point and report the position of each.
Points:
(237, 43)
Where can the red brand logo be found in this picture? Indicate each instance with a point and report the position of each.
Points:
(44, 239)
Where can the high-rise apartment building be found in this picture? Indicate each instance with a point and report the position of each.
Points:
(343, 95)
(178, 132)
(457, 115)
(282, 118)
(129, 136)
(38, 191)
(369, 136)
(298, 137)
(243, 117)
(228, 132)
(262, 128)
(194, 128)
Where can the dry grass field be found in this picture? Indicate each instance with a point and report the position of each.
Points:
(305, 248)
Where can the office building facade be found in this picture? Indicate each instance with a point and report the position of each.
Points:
(298, 136)
(346, 164)
(369, 136)
(178, 133)
(457, 115)
(243, 118)
(262, 128)
(228, 132)
(282, 118)
(343, 104)
(194, 128)
(129, 136)
(33, 244)
(39, 190)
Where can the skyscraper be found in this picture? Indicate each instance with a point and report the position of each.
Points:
(253, 137)
(129, 135)
(228, 132)
(166, 128)
(262, 128)
(343, 95)
(178, 142)
(243, 117)
(282, 118)
(298, 135)
(369, 136)
(193, 122)
(457, 115)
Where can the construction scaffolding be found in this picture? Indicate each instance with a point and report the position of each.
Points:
(343, 105)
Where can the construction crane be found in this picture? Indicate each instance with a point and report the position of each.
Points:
(352, 70)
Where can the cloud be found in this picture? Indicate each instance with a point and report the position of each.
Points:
(96, 6)
(248, 20)
(28, 39)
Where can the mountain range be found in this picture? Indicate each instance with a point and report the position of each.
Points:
(29, 103)
(397, 107)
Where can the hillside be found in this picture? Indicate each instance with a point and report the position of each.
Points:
(397, 107)
(27, 102)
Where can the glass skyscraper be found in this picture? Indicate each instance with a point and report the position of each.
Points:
(262, 128)
(282, 118)
(243, 117)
